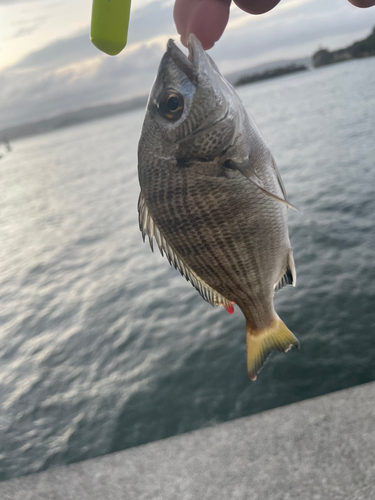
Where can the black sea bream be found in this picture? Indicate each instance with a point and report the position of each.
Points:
(212, 196)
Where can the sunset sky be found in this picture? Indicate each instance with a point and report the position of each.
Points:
(48, 64)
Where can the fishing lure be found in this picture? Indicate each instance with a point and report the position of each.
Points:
(109, 25)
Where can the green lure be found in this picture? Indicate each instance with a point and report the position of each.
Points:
(109, 25)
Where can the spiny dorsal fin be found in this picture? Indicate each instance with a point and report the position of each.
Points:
(150, 229)
(289, 276)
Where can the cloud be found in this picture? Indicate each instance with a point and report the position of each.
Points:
(301, 29)
(61, 52)
(71, 73)
(145, 23)
(29, 27)
(25, 31)
(151, 21)
(12, 2)
(29, 96)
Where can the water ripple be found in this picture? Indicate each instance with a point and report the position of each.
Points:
(104, 346)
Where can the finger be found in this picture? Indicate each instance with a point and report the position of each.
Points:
(363, 3)
(207, 19)
(258, 6)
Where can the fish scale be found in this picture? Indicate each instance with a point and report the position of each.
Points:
(212, 196)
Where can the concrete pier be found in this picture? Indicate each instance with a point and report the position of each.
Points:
(319, 449)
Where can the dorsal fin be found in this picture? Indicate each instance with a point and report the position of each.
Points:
(289, 276)
(286, 279)
(149, 228)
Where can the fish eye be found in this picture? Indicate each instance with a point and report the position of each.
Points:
(171, 104)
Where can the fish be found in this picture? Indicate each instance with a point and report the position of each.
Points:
(212, 196)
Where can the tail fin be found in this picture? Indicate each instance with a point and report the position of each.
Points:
(260, 343)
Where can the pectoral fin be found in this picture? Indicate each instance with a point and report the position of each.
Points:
(248, 171)
(279, 179)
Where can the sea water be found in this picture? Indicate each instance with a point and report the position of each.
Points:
(104, 346)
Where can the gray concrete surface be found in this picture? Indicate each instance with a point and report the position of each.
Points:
(322, 448)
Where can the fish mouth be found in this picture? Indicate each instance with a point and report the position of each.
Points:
(187, 64)
(195, 48)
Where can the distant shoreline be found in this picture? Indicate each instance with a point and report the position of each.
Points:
(71, 118)
(358, 50)
(270, 73)
(103, 111)
(323, 57)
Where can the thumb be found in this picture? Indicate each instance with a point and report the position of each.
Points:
(207, 19)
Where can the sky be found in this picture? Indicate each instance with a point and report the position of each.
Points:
(49, 66)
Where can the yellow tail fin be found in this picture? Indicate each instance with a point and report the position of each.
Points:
(260, 343)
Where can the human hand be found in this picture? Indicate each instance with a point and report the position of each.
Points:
(207, 19)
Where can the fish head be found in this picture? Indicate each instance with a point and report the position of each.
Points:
(192, 109)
